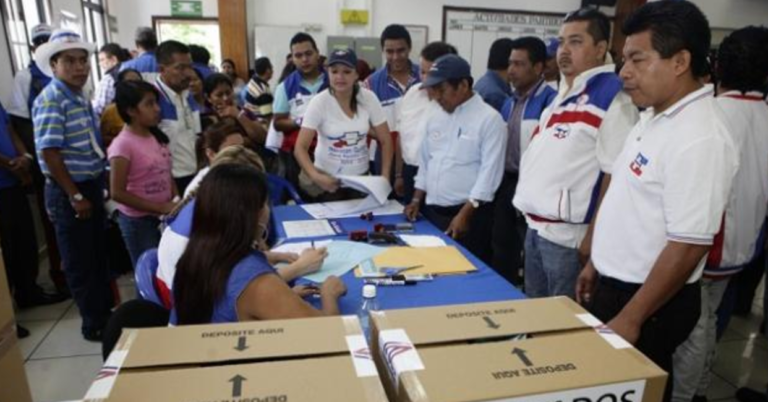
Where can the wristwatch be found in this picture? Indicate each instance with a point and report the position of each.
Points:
(76, 198)
(475, 203)
(29, 156)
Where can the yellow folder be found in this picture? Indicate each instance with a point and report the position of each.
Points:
(435, 260)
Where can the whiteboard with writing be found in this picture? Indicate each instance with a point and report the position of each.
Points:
(473, 30)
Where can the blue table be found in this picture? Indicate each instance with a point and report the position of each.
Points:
(483, 285)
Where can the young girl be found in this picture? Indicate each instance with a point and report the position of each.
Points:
(221, 103)
(341, 117)
(222, 276)
(140, 177)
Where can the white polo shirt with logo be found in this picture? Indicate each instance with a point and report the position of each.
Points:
(671, 182)
(342, 148)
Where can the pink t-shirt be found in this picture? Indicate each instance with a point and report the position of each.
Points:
(149, 172)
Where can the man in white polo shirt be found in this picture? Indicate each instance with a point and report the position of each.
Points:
(461, 160)
(742, 69)
(567, 166)
(670, 186)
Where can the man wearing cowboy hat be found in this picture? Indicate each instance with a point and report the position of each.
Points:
(71, 157)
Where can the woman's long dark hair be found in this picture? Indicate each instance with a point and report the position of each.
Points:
(224, 228)
(214, 135)
(128, 95)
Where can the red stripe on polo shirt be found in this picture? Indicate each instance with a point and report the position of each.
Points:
(746, 97)
(576, 117)
(716, 252)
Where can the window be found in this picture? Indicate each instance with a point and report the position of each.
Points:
(20, 17)
(95, 30)
(191, 31)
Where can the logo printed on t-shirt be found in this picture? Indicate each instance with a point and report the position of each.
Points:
(562, 131)
(637, 165)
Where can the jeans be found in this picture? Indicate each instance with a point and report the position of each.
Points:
(508, 232)
(139, 234)
(694, 358)
(19, 243)
(82, 243)
(662, 332)
(550, 269)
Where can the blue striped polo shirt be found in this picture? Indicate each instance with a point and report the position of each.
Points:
(65, 120)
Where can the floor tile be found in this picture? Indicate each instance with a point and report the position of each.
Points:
(742, 363)
(38, 330)
(747, 326)
(729, 335)
(63, 379)
(720, 389)
(44, 313)
(66, 340)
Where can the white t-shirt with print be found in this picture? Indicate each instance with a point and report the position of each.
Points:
(342, 148)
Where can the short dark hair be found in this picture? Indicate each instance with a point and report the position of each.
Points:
(537, 50)
(742, 60)
(395, 32)
(115, 50)
(674, 26)
(599, 25)
(146, 38)
(230, 61)
(199, 54)
(435, 50)
(214, 80)
(167, 49)
(121, 76)
(455, 82)
(302, 37)
(262, 65)
(498, 56)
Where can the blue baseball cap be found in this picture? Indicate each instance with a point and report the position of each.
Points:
(552, 45)
(447, 67)
(346, 57)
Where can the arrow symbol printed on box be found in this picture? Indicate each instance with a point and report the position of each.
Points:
(241, 346)
(521, 354)
(237, 385)
(491, 323)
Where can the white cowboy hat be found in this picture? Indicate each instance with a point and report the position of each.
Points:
(61, 40)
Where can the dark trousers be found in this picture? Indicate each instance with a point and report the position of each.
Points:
(509, 229)
(478, 239)
(83, 247)
(409, 181)
(183, 182)
(17, 233)
(664, 331)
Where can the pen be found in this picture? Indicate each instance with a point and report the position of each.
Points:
(413, 278)
(389, 282)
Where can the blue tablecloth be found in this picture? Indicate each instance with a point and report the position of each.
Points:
(483, 285)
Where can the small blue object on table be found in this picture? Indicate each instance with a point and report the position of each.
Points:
(483, 285)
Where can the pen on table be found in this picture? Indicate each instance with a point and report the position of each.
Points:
(389, 282)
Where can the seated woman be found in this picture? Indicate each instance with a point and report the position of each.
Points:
(216, 137)
(341, 117)
(176, 235)
(222, 276)
(221, 103)
(140, 168)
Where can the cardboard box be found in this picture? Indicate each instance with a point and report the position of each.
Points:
(535, 350)
(318, 359)
(13, 378)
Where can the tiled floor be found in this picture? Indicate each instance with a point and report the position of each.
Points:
(61, 365)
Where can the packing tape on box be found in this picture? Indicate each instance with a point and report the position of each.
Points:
(105, 379)
(7, 337)
(401, 359)
(604, 331)
(362, 359)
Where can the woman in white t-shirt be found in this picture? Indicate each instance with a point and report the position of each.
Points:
(341, 117)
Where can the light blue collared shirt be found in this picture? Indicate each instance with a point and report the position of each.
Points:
(462, 156)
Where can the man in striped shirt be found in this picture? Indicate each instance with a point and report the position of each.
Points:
(71, 157)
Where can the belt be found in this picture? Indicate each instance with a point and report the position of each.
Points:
(621, 285)
(542, 219)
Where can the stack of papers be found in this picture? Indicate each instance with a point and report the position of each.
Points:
(298, 248)
(433, 260)
(342, 257)
(352, 208)
(306, 229)
(422, 240)
(376, 187)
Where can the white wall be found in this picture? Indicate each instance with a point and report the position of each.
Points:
(734, 13)
(6, 69)
(132, 14)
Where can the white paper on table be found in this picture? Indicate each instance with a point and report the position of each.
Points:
(309, 228)
(298, 248)
(420, 241)
(351, 209)
(342, 257)
(377, 186)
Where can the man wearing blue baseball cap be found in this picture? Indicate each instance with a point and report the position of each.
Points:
(461, 161)
(551, 70)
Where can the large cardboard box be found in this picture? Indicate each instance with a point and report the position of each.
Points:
(13, 378)
(538, 350)
(318, 359)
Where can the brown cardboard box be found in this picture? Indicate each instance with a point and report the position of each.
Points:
(13, 378)
(538, 350)
(317, 359)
